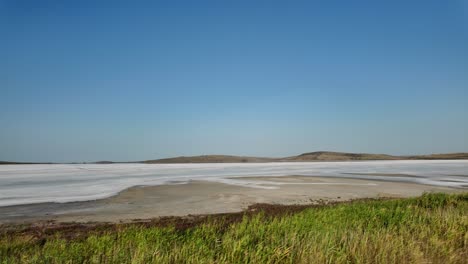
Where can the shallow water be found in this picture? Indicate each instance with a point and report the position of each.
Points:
(27, 184)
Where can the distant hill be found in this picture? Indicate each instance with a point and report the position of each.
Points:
(339, 156)
(451, 156)
(305, 157)
(211, 159)
(20, 163)
(104, 162)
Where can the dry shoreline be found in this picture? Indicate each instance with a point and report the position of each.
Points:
(201, 197)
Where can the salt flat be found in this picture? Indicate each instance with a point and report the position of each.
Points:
(30, 184)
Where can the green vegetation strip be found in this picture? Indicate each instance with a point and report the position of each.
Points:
(428, 229)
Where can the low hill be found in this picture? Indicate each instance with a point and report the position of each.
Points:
(211, 159)
(20, 163)
(449, 156)
(305, 157)
(339, 156)
(104, 162)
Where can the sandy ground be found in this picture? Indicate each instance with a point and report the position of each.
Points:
(199, 197)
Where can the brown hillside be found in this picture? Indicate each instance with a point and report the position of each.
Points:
(212, 159)
(340, 156)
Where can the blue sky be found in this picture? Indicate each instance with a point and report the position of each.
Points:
(111, 80)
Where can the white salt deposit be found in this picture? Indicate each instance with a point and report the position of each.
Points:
(26, 184)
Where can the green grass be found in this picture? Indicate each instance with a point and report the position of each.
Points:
(428, 229)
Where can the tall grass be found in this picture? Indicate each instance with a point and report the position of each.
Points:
(432, 228)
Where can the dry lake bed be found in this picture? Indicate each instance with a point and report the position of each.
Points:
(122, 192)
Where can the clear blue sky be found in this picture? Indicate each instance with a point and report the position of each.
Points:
(110, 80)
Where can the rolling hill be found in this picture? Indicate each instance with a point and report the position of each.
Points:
(305, 157)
